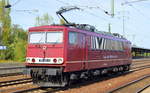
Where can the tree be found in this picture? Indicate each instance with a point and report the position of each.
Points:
(5, 21)
(19, 37)
(46, 19)
(62, 22)
(12, 36)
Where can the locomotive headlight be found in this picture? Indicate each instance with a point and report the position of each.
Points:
(28, 59)
(60, 60)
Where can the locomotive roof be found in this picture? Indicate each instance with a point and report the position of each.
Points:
(89, 29)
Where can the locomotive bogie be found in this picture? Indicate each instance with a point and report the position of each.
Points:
(55, 77)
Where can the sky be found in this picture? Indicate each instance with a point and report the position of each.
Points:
(136, 16)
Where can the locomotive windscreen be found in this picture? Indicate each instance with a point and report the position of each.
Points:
(46, 37)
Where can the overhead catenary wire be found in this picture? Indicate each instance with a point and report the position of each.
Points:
(133, 1)
(18, 1)
(63, 2)
(24, 10)
(97, 16)
(139, 11)
(87, 7)
(91, 8)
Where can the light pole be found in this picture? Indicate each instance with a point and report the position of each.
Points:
(112, 8)
(123, 22)
(126, 3)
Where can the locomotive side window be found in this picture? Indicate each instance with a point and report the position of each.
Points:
(113, 45)
(54, 37)
(72, 37)
(120, 46)
(97, 43)
(117, 45)
(102, 43)
(37, 37)
(110, 45)
(93, 44)
(106, 44)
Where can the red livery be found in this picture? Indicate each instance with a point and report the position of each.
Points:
(58, 54)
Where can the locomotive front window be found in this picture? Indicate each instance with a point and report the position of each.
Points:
(37, 37)
(54, 37)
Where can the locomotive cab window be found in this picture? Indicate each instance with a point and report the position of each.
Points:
(37, 37)
(45, 37)
(72, 37)
(54, 37)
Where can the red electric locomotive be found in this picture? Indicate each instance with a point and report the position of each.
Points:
(58, 54)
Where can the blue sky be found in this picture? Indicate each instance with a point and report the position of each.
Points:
(136, 16)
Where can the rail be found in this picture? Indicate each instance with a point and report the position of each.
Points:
(142, 89)
(131, 84)
(25, 85)
(8, 71)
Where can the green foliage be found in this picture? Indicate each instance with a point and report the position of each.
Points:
(16, 49)
(20, 42)
(20, 50)
(19, 37)
(5, 20)
(46, 19)
(62, 21)
(11, 36)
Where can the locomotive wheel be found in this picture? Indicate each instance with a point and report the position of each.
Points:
(65, 80)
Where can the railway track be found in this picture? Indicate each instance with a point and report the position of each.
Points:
(138, 63)
(59, 90)
(14, 69)
(23, 84)
(139, 67)
(135, 86)
(5, 81)
(9, 71)
(139, 60)
(18, 88)
(144, 89)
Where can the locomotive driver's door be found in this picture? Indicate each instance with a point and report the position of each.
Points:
(77, 50)
(82, 47)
